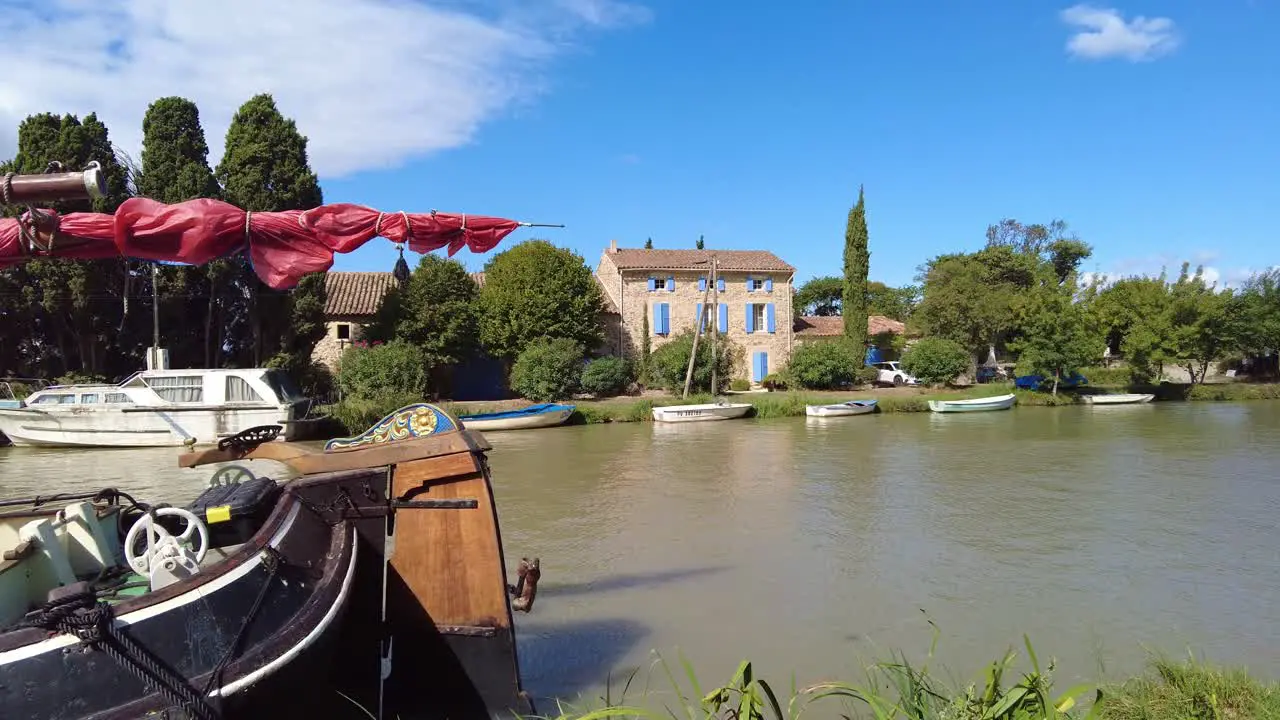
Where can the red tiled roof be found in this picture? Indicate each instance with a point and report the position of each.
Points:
(640, 259)
(832, 325)
(355, 293)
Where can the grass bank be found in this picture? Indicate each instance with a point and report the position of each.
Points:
(898, 689)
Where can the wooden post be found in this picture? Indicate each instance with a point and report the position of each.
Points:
(50, 187)
(715, 302)
(697, 330)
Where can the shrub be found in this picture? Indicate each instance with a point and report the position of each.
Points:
(739, 384)
(395, 368)
(358, 414)
(935, 360)
(867, 375)
(548, 369)
(669, 363)
(774, 381)
(824, 365)
(606, 376)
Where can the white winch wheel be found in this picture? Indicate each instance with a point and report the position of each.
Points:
(157, 534)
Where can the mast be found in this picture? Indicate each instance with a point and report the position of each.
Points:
(715, 302)
(697, 330)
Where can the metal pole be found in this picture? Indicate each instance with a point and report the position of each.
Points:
(155, 315)
(697, 330)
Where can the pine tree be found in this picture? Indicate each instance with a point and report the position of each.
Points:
(857, 260)
(648, 244)
(265, 168)
(700, 245)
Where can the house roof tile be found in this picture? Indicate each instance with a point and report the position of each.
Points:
(731, 260)
(355, 293)
(832, 325)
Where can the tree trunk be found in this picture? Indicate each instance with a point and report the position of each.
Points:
(1056, 374)
(208, 325)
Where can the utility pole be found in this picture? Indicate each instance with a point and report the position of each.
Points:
(697, 330)
(155, 315)
(715, 303)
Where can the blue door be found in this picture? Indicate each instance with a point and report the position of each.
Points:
(759, 366)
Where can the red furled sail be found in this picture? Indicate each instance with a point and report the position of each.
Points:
(282, 246)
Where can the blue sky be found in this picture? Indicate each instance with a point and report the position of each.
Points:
(1150, 127)
(754, 124)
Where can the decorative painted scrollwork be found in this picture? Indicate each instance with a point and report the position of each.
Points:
(412, 421)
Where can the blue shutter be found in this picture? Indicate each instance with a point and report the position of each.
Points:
(671, 283)
(702, 284)
(749, 289)
(657, 318)
(653, 284)
(720, 284)
(757, 366)
(698, 322)
(724, 318)
(768, 284)
(764, 364)
(666, 318)
(751, 319)
(768, 317)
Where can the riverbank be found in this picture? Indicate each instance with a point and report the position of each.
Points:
(898, 399)
(896, 688)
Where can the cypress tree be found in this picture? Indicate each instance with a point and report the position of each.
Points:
(265, 168)
(857, 261)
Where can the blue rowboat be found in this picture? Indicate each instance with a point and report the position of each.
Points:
(533, 416)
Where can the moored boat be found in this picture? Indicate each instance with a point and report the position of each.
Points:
(533, 416)
(702, 412)
(996, 402)
(159, 407)
(853, 407)
(1119, 399)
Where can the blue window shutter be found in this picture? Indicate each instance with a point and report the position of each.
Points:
(657, 318)
(702, 284)
(768, 318)
(724, 317)
(653, 284)
(751, 319)
(768, 284)
(720, 284)
(671, 283)
(666, 318)
(764, 364)
(698, 323)
(756, 375)
(749, 289)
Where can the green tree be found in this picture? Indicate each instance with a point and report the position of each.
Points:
(820, 296)
(891, 302)
(548, 369)
(265, 168)
(436, 312)
(1260, 313)
(965, 301)
(536, 290)
(857, 261)
(646, 349)
(700, 244)
(823, 365)
(648, 244)
(175, 168)
(1133, 315)
(72, 313)
(936, 360)
(1059, 335)
(669, 363)
(1204, 323)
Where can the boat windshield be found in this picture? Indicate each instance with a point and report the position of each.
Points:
(282, 385)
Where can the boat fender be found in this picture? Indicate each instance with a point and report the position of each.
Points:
(526, 587)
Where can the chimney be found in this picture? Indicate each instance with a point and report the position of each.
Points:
(613, 247)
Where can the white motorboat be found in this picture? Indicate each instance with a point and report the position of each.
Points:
(853, 407)
(996, 402)
(1119, 399)
(533, 416)
(697, 413)
(159, 407)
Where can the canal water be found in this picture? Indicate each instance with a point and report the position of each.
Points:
(814, 546)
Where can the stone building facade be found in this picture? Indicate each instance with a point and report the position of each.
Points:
(753, 307)
(351, 300)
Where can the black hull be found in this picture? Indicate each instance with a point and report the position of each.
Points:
(283, 658)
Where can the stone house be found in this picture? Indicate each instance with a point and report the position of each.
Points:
(351, 300)
(668, 286)
(816, 328)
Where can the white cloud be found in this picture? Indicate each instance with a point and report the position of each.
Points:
(372, 83)
(1104, 33)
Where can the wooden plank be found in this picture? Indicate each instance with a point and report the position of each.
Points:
(306, 460)
(451, 560)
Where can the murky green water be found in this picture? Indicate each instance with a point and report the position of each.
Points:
(811, 546)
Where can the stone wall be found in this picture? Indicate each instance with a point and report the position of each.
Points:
(635, 301)
(330, 347)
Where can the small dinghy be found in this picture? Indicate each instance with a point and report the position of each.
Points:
(997, 402)
(533, 416)
(698, 413)
(853, 407)
(1119, 399)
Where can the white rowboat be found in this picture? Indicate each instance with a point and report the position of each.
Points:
(1119, 399)
(853, 407)
(997, 402)
(697, 413)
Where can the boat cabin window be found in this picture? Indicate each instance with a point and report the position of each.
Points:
(282, 385)
(239, 390)
(178, 388)
(56, 399)
(89, 398)
(117, 398)
(344, 331)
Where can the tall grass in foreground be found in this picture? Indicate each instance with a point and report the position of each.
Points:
(898, 690)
